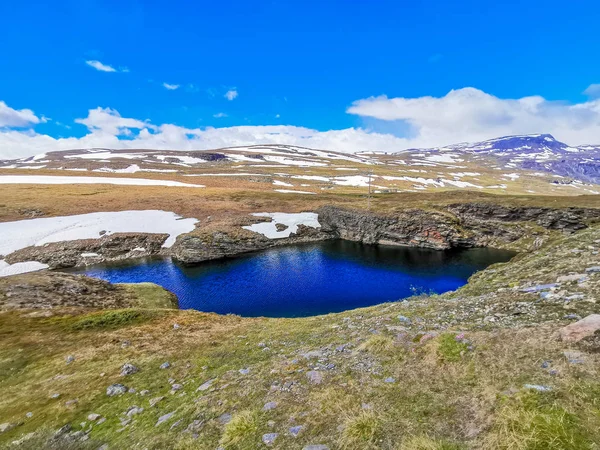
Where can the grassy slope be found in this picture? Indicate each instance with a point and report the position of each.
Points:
(447, 392)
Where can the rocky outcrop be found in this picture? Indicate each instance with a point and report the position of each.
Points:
(195, 248)
(566, 219)
(54, 289)
(114, 247)
(412, 227)
(462, 225)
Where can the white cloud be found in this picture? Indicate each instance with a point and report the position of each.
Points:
(231, 94)
(10, 117)
(170, 87)
(101, 67)
(472, 115)
(109, 121)
(461, 115)
(593, 90)
(220, 115)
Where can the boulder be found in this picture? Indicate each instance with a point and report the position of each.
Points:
(583, 328)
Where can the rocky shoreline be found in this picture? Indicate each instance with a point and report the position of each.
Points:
(456, 226)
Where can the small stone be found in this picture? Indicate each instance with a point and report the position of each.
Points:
(165, 365)
(164, 418)
(295, 431)
(132, 390)
(176, 424)
(405, 320)
(177, 387)
(154, 401)
(115, 389)
(103, 447)
(314, 377)
(128, 369)
(539, 287)
(538, 387)
(55, 396)
(244, 371)
(69, 359)
(195, 426)
(572, 317)
(125, 344)
(315, 447)
(134, 410)
(570, 278)
(546, 364)
(93, 417)
(144, 392)
(574, 357)
(593, 269)
(29, 415)
(390, 380)
(224, 419)
(71, 403)
(176, 326)
(205, 386)
(269, 438)
(269, 406)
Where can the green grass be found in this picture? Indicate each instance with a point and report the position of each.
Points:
(451, 349)
(530, 423)
(242, 431)
(150, 295)
(114, 319)
(361, 431)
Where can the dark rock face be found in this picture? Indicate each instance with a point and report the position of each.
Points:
(190, 249)
(568, 219)
(465, 225)
(112, 247)
(415, 228)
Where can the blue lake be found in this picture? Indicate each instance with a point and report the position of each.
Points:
(305, 280)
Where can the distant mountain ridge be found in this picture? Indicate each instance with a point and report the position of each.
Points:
(537, 152)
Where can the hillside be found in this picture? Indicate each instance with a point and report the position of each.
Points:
(536, 164)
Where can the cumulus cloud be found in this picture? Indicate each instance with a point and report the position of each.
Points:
(99, 66)
(219, 115)
(469, 114)
(462, 115)
(109, 121)
(231, 94)
(10, 117)
(593, 90)
(170, 87)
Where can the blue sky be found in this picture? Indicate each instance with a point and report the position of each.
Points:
(299, 63)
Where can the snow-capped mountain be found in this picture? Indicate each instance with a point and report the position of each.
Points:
(536, 152)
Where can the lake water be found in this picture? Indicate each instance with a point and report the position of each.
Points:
(307, 279)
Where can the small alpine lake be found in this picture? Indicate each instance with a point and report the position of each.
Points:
(307, 279)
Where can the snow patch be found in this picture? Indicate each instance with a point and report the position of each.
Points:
(287, 191)
(52, 179)
(26, 233)
(22, 267)
(292, 221)
(282, 183)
